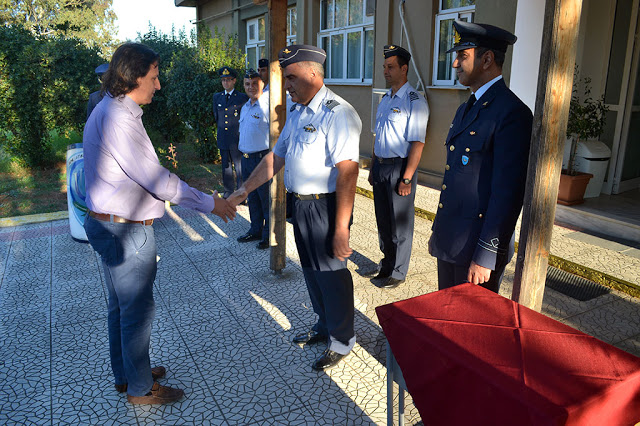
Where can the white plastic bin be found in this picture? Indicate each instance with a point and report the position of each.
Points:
(593, 157)
(76, 194)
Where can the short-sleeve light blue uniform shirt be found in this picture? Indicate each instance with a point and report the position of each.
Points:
(400, 120)
(315, 138)
(254, 125)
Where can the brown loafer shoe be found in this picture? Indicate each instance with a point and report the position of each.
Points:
(158, 395)
(156, 373)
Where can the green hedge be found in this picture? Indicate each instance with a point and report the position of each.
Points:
(44, 85)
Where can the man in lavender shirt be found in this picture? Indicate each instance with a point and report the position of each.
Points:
(126, 188)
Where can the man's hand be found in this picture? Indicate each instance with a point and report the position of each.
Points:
(341, 248)
(370, 178)
(223, 208)
(404, 189)
(237, 197)
(478, 274)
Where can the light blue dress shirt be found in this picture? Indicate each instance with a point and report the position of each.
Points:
(400, 120)
(254, 125)
(123, 175)
(315, 138)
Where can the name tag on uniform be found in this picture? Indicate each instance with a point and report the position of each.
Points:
(465, 160)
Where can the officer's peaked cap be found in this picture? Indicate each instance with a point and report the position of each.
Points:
(263, 63)
(251, 73)
(299, 53)
(395, 50)
(101, 69)
(469, 35)
(227, 72)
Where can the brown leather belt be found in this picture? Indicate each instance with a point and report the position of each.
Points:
(307, 197)
(117, 219)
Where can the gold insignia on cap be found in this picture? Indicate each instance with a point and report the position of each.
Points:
(472, 133)
(392, 47)
(286, 51)
(456, 36)
(225, 72)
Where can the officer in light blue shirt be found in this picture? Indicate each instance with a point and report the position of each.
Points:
(401, 125)
(319, 148)
(254, 145)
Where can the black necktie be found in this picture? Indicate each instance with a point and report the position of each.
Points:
(228, 95)
(470, 102)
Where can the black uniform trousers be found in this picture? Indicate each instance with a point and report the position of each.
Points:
(395, 215)
(231, 158)
(451, 275)
(258, 200)
(328, 280)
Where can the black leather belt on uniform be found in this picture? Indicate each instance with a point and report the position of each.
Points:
(117, 219)
(391, 160)
(307, 197)
(258, 154)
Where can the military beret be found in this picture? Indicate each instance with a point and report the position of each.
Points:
(394, 50)
(299, 53)
(227, 72)
(469, 35)
(263, 63)
(251, 73)
(101, 69)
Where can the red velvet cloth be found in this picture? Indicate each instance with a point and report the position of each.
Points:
(471, 357)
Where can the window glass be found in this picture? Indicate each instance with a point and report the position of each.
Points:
(261, 29)
(293, 26)
(355, 12)
(368, 54)
(337, 54)
(325, 47)
(445, 60)
(251, 57)
(455, 4)
(354, 54)
(341, 13)
(252, 32)
(326, 14)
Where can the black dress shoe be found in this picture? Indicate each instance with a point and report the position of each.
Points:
(248, 237)
(309, 338)
(328, 359)
(382, 275)
(263, 245)
(390, 282)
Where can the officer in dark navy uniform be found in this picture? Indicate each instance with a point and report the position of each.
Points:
(319, 149)
(226, 112)
(485, 175)
(401, 126)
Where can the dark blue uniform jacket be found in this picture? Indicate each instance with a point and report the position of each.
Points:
(227, 116)
(484, 180)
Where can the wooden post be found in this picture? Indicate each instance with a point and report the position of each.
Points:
(555, 80)
(278, 115)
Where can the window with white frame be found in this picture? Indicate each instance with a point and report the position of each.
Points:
(256, 34)
(255, 47)
(449, 10)
(346, 34)
(292, 25)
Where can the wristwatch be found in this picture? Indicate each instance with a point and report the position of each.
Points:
(406, 181)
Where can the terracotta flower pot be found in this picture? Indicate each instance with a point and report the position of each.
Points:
(572, 188)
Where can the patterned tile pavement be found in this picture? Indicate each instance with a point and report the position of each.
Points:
(223, 328)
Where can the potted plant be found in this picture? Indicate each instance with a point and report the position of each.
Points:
(587, 118)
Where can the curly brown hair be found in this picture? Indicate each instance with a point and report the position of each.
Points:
(129, 62)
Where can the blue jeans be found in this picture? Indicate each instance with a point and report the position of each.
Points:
(128, 253)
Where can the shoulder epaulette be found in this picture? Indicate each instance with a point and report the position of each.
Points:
(331, 104)
(293, 107)
(413, 96)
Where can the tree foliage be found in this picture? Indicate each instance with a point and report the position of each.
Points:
(92, 21)
(44, 85)
(190, 81)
